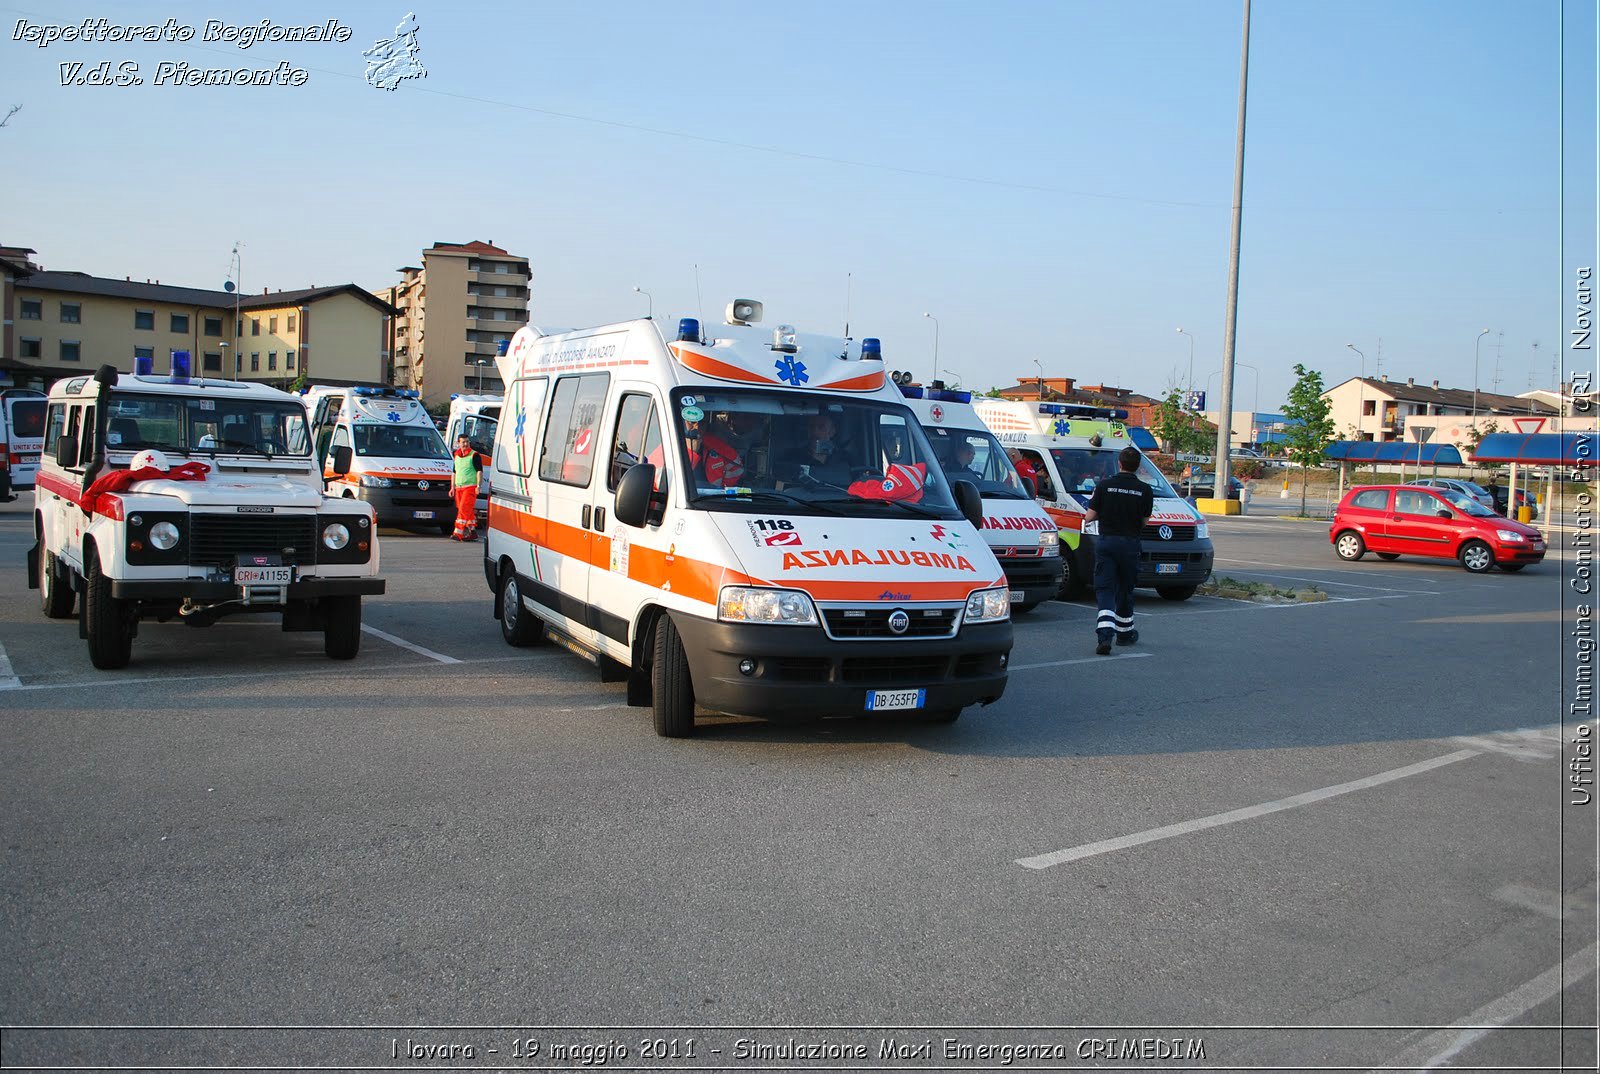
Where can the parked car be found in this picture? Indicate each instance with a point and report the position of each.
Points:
(1203, 485)
(1466, 488)
(1502, 494)
(1413, 520)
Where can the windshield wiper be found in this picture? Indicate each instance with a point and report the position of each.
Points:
(914, 508)
(237, 445)
(761, 496)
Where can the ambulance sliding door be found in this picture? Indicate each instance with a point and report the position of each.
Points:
(567, 470)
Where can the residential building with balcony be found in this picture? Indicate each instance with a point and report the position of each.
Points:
(1377, 408)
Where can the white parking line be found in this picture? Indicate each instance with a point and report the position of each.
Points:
(1085, 660)
(1544, 903)
(1106, 846)
(276, 673)
(1437, 1049)
(8, 680)
(404, 644)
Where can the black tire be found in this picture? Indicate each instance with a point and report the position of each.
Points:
(1072, 586)
(672, 692)
(1024, 609)
(1512, 568)
(1476, 557)
(341, 627)
(1176, 592)
(1349, 546)
(55, 599)
(447, 526)
(518, 626)
(1389, 556)
(106, 621)
(939, 716)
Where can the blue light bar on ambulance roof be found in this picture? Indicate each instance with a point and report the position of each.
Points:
(1052, 408)
(949, 395)
(872, 349)
(387, 393)
(1083, 410)
(180, 367)
(143, 365)
(688, 330)
(910, 391)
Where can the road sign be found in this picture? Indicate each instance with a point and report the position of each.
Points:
(1193, 458)
(1195, 400)
(1528, 426)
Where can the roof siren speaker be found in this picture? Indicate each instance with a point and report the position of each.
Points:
(744, 311)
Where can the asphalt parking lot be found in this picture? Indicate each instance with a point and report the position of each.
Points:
(1311, 822)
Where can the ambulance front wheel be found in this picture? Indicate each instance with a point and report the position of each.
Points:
(341, 627)
(1176, 592)
(517, 625)
(1071, 583)
(672, 694)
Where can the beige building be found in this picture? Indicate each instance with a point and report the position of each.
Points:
(1377, 408)
(67, 323)
(452, 313)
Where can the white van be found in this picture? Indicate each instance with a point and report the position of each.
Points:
(399, 463)
(751, 521)
(476, 417)
(256, 534)
(21, 436)
(1065, 449)
(1021, 536)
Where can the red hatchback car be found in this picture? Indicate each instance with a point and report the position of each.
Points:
(1408, 520)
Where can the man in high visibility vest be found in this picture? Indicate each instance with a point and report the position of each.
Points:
(464, 487)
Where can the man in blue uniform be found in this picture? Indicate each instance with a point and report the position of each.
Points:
(1120, 505)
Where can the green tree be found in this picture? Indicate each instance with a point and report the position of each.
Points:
(1307, 428)
(1178, 429)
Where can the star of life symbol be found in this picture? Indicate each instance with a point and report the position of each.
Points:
(522, 422)
(792, 371)
(393, 415)
(1063, 427)
(391, 62)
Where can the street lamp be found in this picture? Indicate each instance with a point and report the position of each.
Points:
(480, 363)
(1191, 359)
(1040, 368)
(956, 379)
(1361, 398)
(935, 321)
(648, 298)
(1476, 346)
(224, 346)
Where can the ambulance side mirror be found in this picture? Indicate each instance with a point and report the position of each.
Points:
(67, 453)
(969, 500)
(632, 507)
(341, 459)
(1031, 487)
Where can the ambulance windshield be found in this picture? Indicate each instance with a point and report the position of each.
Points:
(399, 441)
(975, 455)
(746, 450)
(1084, 468)
(217, 425)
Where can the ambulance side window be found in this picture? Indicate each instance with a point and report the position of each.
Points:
(341, 438)
(627, 442)
(567, 455)
(75, 427)
(1041, 473)
(55, 421)
(513, 446)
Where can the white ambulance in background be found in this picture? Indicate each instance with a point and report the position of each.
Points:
(21, 435)
(399, 463)
(658, 509)
(476, 417)
(1021, 536)
(1070, 448)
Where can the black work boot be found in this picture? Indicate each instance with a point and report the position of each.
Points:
(1127, 637)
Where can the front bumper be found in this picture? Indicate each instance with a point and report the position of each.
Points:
(1192, 560)
(400, 506)
(202, 590)
(1512, 553)
(1037, 578)
(801, 672)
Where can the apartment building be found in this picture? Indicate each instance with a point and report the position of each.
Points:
(336, 335)
(1377, 408)
(452, 313)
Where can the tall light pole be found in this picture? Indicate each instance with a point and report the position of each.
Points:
(1181, 332)
(1040, 368)
(1361, 399)
(1476, 346)
(935, 321)
(649, 299)
(1252, 369)
(1225, 412)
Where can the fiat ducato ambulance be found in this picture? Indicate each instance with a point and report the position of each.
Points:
(746, 520)
(1021, 536)
(162, 498)
(1065, 449)
(398, 460)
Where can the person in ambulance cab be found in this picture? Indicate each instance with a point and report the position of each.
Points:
(819, 459)
(723, 452)
(961, 462)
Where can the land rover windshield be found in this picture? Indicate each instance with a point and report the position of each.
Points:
(1081, 469)
(753, 450)
(208, 425)
(975, 455)
(399, 441)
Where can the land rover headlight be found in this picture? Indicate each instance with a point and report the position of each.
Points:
(1049, 544)
(748, 604)
(164, 535)
(989, 605)
(1510, 536)
(335, 535)
(371, 481)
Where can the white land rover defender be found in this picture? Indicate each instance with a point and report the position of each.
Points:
(255, 533)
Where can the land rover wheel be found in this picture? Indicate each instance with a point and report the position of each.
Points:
(672, 698)
(1175, 592)
(517, 625)
(54, 598)
(106, 621)
(1350, 546)
(341, 627)
(1476, 557)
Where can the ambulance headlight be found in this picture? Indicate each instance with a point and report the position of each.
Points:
(164, 535)
(989, 605)
(748, 604)
(336, 536)
(1049, 544)
(1202, 532)
(371, 482)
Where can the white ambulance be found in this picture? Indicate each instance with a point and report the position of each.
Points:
(1065, 449)
(21, 436)
(476, 417)
(747, 520)
(1021, 536)
(252, 532)
(399, 463)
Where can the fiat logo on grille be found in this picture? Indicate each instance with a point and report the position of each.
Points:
(422, 486)
(899, 621)
(1165, 532)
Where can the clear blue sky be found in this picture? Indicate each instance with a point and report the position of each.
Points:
(1051, 180)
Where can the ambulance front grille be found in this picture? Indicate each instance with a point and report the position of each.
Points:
(215, 540)
(1180, 531)
(872, 621)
